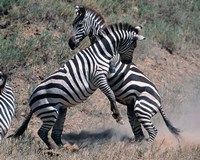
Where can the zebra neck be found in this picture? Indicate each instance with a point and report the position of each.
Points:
(93, 32)
(2, 87)
(103, 51)
(95, 23)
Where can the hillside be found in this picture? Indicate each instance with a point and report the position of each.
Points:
(34, 43)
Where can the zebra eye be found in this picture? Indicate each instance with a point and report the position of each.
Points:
(79, 25)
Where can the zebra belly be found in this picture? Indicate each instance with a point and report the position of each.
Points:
(55, 96)
(59, 90)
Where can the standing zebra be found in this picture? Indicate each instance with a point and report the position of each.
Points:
(75, 82)
(7, 105)
(131, 87)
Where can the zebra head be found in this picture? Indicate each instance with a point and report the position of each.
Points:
(126, 49)
(3, 78)
(125, 37)
(86, 23)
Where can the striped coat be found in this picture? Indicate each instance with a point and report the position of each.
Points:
(7, 110)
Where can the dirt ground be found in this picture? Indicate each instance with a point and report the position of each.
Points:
(92, 119)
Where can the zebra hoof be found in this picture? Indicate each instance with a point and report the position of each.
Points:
(120, 121)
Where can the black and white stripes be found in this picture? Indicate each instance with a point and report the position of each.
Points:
(7, 105)
(76, 81)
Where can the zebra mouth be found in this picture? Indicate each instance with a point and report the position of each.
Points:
(1, 79)
(1, 82)
(72, 44)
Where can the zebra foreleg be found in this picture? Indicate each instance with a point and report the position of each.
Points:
(101, 82)
(116, 114)
(135, 124)
(58, 127)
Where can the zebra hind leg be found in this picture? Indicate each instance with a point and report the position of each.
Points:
(135, 125)
(144, 118)
(43, 134)
(152, 131)
(49, 118)
(58, 127)
(137, 130)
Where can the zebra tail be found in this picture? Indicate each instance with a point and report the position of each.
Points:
(23, 127)
(169, 125)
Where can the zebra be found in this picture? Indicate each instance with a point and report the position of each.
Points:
(75, 82)
(131, 87)
(92, 27)
(7, 105)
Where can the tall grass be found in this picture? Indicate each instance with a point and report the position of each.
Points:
(172, 24)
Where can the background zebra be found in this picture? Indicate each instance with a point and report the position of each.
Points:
(75, 82)
(131, 87)
(7, 105)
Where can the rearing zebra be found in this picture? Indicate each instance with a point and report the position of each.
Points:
(75, 82)
(131, 87)
(7, 105)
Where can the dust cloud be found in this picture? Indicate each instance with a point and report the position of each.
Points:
(190, 122)
(187, 119)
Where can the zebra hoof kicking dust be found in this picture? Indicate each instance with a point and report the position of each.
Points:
(118, 119)
(7, 105)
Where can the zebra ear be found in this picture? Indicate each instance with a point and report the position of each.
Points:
(80, 10)
(139, 37)
(138, 28)
(77, 9)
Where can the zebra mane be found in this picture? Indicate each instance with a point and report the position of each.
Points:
(3, 77)
(80, 13)
(121, 26)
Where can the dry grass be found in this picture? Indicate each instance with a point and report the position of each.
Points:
(94, 134)
(41, 38)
